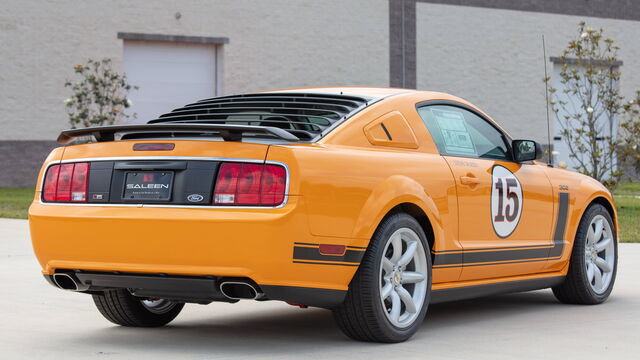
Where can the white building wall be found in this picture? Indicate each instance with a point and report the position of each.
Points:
(493, 58)
(273, 44)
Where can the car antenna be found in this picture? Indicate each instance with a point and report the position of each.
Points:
(546, 97)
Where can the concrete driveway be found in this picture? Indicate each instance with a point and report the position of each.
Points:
(38, 321)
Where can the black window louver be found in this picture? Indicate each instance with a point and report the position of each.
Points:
(305, 115)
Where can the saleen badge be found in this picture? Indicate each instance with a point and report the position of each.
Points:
(147, 186)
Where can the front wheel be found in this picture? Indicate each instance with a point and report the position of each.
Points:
(122, 308)
(593, 264)
(389, 295)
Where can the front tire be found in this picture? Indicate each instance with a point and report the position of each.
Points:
(122, 308)
(594, 261)
(389, 295)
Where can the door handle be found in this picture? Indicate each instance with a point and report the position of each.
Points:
(469, 180)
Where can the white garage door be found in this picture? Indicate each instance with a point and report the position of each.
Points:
(169, 75)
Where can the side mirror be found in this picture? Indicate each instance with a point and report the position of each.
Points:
(526, 150)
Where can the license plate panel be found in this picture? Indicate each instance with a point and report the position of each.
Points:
(148, 186)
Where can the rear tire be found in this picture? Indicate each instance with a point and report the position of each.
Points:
(122, 308)
(389, 295)
(594, 260)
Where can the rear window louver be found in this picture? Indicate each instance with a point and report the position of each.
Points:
(250, 117)
(304, 115)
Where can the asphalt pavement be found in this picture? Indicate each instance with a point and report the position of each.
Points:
(38, 321)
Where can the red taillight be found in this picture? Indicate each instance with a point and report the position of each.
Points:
(250, 184)
(248, 191)
(63, 192)
(66, 183)
(227, 183)
(273, 185)
(79, 182)
(51, 183)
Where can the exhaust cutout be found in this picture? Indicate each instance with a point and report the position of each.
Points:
(68, 282)
(239, 290)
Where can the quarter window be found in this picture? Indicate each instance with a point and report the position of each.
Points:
(459, 132)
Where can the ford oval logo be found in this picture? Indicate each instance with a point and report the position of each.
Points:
(195, 198)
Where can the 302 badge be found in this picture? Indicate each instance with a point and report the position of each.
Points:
(506, 201)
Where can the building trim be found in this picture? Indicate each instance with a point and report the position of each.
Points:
(402, 43)
(610, 9)
(402, 25)
(574, 61)
(173, 38)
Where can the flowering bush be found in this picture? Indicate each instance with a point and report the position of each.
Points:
(588, 104)
(99, 97)
(630, 134)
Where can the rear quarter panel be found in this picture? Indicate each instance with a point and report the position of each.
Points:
(349, 185)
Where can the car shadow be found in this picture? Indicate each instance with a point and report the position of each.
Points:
(287, 331)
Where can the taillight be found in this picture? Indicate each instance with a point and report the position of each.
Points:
(66, 183)
(80, 182)
(250, 184)
(63, 192)
(227, 184)
(51, 183)
(273, 185)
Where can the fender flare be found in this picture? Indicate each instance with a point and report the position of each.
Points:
(595, 192)
(393, 191)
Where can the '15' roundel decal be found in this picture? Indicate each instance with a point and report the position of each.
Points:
(506, 201)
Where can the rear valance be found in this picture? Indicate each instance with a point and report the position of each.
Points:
(228, 132)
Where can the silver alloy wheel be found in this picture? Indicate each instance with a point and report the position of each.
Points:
(599, 254)
(158, 306)
(403, 277)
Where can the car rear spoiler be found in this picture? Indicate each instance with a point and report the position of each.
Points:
(228, 132)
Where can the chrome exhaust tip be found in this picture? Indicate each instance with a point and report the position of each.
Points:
(238, 290)
(68, 282)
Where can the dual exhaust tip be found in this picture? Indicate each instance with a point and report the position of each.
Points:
(69, 282)
(238, 290)
(235, 290)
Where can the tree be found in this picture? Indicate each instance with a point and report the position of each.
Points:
(99, 97)
(587, 106)
(630, 134)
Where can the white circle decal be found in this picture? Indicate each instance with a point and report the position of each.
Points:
(506, 201)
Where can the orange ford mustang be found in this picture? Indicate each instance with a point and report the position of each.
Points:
(371, 202)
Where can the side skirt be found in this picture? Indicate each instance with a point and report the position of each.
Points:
(470, 292)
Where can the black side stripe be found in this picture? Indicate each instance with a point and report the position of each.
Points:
(495, 263)
(492, 248)
(477, 257)
(323, 263)
(561, 224)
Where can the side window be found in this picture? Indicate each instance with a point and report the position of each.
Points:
(459, 132)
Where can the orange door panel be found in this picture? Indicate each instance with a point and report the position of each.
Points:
(505, 217)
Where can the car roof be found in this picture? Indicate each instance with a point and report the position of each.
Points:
(369, 92)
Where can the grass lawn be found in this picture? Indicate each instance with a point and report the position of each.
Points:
(627, 199)
(14, 203)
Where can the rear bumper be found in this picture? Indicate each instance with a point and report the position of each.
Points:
(257, 244)
(196, 289)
